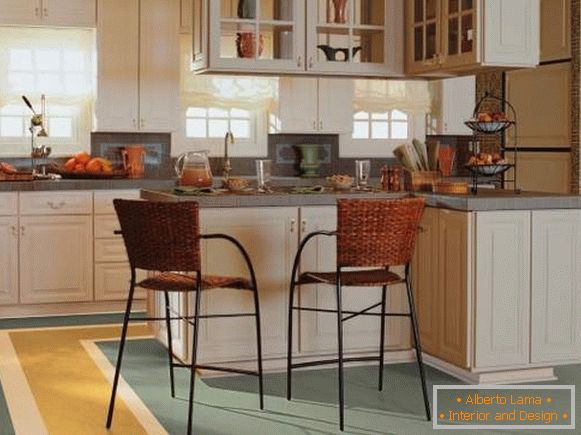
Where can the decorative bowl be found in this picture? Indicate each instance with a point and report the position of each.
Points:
(341, 182)
(236, 184)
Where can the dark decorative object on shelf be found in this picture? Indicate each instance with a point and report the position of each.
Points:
(246, 8)
(331, 53)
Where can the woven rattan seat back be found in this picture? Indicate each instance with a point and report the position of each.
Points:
(161, 236)
(377, 233)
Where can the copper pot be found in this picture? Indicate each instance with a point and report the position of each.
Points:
(246, 44)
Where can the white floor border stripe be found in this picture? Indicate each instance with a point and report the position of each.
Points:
(26, 418)
(124, 391)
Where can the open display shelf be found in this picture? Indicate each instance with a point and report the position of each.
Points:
(495, 171)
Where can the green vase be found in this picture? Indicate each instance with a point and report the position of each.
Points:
(310, 163)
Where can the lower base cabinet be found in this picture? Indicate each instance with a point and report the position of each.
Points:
(56, 259)
(8, 260)
(506, 286)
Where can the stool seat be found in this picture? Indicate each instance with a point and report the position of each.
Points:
(184, 283)
(359, 278)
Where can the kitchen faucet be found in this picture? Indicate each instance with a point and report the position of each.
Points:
(228, 140)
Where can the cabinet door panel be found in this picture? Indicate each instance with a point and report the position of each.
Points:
(9, 260)
(335, 101)
(319, 330)
(555, 30)
(454, 278)
(556, 286)
(425, 280)
(512, 32)
(423, 35)
(159, 65)
(16, 12)
(298, 108)
(118, 65)
(270, 237)
(502, 288)
(56, 259)
(112, 282)
(77, 13)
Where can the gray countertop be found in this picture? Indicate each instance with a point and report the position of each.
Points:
(50, 185)
(484, 201)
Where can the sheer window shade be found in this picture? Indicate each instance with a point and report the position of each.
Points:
(59, 63)
(227, 92)
(385, 95)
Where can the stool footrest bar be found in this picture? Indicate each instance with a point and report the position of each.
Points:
(334, 361)
(218, 369)
(351, 313)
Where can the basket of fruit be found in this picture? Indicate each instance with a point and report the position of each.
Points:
(488, 164)
(82, 166)
(10, 173)
(489, 122)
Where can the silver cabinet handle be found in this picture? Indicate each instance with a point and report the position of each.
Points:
(314, 124)
(56, 206)
(134, 122)
(22, 230)
(142, 123)
(300, 61)
(14, 230)
(321, 125)
(311, 62)
(304, 226)
(36, 12)
(293, 225)
(45, 12)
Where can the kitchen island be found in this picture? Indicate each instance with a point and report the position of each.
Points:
(497, 279)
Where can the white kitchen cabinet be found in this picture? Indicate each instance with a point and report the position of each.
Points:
(112, 282)
(56, 259)
(318, 331)
(445, 37)
(309, 105)
(70, 13)
(373, 28)
(9, 260)
(455, 101)
(138, 65)
(270, 236)
(502, 330)
(556, 286)
(555, 30)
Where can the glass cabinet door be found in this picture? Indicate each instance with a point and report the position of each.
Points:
(460, 31)
(424, 34)
(269, 33)
(349, 35)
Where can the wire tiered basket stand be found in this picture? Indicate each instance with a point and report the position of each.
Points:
(494, 172)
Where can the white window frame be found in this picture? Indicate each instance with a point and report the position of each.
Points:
(382, 148)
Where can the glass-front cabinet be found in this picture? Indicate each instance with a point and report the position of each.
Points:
(446, 37)
(250, 35)
(334, 37)
(355, 37)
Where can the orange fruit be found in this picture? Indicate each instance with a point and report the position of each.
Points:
(79, 167)
(82, 157)
(94, 166)
(70, 164)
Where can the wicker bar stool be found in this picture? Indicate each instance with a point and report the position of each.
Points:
(165, 238)
(375, 235)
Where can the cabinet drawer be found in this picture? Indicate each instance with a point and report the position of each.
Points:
(112, 282)
(104, 199)
(56, 203)
(105, 227)
(8, 204)
(110, 251)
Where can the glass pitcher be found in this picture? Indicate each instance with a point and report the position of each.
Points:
(193, 169)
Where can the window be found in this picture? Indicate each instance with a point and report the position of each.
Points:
(214, 122)
(387, 125)
(59, 63)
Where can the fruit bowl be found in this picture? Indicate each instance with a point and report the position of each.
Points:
(488, 127)
(492, 169)
(341, 182)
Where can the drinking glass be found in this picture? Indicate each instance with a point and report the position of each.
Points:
(263, 174)
(362, 173)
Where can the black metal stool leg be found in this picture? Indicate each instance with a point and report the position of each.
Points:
(121, 348)
(382, 338)
(290, 341)
(259, 346)
(194, 353)
(418, 345)
(169, 345)
(340, 353)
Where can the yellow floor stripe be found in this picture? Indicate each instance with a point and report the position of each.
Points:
(70, 391)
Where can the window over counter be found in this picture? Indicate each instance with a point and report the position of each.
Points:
(213, 105)
(386, 113)
(59, 63)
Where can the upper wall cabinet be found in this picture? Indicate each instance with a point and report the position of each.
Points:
(555, 30)
(459, 36)
(322, 37)
(138, 62)
(77, 13)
